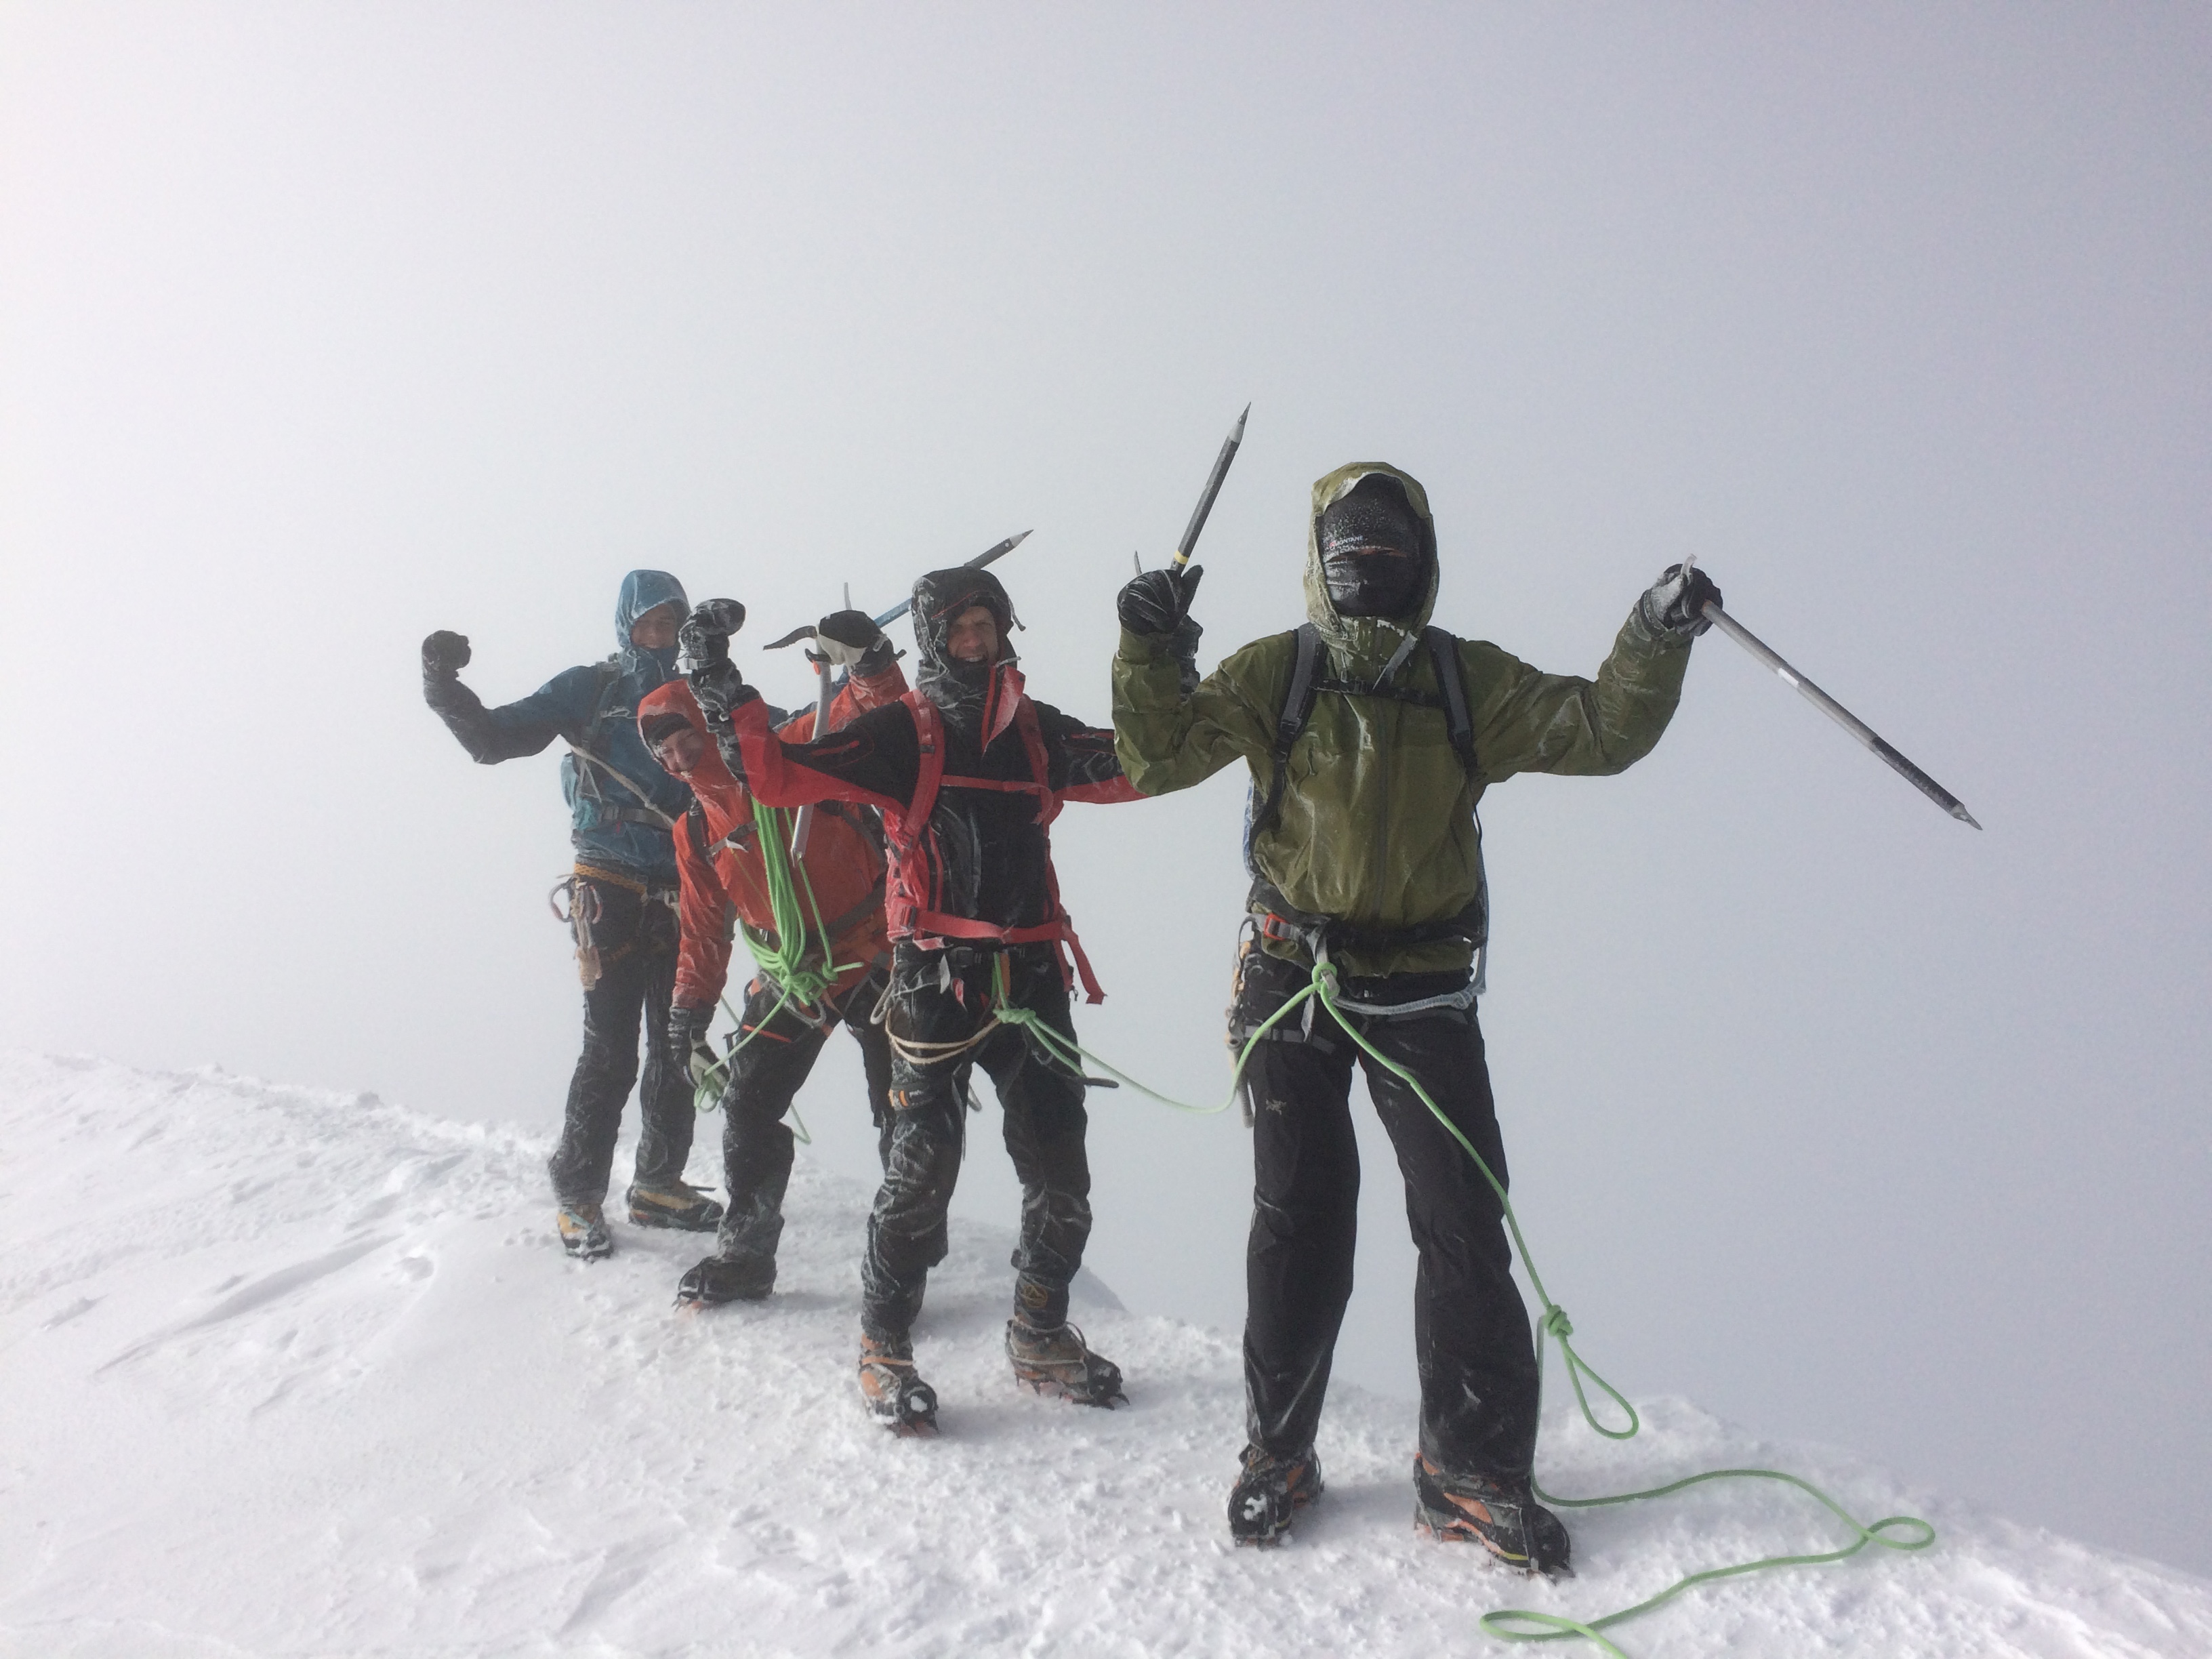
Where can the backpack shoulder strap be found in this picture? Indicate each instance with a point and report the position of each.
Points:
(604, 677)
(1032, 731)
(1445, 648)
(929, 742)
(1297, 709)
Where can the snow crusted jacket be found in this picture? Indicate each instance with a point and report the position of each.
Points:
(621, 802)
(969, 774)
(1377, 823)
(718, 861)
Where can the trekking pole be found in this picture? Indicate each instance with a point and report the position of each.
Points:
(1836, 711)
(1189, 542)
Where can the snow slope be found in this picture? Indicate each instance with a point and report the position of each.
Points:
(284, 1372)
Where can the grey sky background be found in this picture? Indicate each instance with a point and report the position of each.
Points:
(321, 328)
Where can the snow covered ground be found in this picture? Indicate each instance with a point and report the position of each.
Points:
(285, 1372)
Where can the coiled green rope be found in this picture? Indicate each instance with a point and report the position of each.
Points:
(784, 964)
(1902, 1533)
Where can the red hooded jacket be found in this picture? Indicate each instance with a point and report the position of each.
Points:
(718, 860)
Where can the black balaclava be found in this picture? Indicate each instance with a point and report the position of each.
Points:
(1373, 549)
(961, 690)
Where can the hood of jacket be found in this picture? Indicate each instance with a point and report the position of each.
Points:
(1365, 645)
(643, 591)
(712, 774)
(978, 696)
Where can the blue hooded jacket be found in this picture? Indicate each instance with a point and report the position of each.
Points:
(594, 706)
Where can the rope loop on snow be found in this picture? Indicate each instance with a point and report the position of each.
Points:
(1902, 1533)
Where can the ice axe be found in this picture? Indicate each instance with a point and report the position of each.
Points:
(991, 555)
(1834, 710)
(1189, 542)
(804, 829)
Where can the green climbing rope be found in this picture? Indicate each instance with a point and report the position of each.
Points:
(1902, 1533)
(799, 973)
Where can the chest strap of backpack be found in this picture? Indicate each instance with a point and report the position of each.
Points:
(906, 909)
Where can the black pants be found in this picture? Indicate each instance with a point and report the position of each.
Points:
(636, 937)
(780, 1049)
(945, 996)
(1471, 1332)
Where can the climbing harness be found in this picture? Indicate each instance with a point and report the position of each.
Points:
(1902, 1533)
(581, 890)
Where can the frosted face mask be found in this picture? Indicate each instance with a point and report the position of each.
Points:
(1371, 552)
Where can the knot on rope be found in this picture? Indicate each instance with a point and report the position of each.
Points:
(1557, 1322)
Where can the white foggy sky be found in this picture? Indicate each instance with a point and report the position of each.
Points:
(321, 328)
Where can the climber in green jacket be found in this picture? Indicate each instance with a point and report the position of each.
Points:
(1371, 737)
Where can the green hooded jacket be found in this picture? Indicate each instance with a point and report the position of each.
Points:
(1377, 826)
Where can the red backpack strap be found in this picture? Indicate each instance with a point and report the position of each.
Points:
(1049, 801)
(906, 875)
(929, 739)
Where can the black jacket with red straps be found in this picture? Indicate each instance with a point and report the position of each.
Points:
(968, 773)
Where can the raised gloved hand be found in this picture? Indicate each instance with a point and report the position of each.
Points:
(850, 640)
(705, 635)
(1675, 603)
(686, 1041)
(1157, 601)
(444, 655)
(705, 640)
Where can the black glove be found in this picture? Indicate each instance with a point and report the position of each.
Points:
(705, 635)
(685, 1045)
(444, 655)
(1675, 603)
(1157, 601)
(704, 639)
(850, 640)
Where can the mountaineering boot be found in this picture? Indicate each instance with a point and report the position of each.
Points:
(584, 1232)
(719, 1278)
(1056, 1361)
(676, 1205)
(1269, 1491)
(1502, 1516)
(893, 1391)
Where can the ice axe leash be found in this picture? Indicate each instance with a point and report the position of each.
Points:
(1902, 1533)
(1835, 711)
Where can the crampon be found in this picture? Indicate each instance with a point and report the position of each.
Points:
(893, 1392)
(1057, 1362)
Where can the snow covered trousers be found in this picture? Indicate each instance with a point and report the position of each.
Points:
(636, 937)
(944, 997)
(771, 1065)
(1471, 1335)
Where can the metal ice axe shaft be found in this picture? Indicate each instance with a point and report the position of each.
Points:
(1189, 542)
(1836, 711)
(975, 563)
